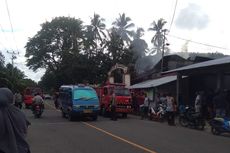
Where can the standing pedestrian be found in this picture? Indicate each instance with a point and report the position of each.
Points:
(197, 105)
(145, 107)
(113, 107)
(134, 100)
(170, 109)
(55, 98)
(13, 125)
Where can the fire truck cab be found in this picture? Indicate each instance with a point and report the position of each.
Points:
(122, 97)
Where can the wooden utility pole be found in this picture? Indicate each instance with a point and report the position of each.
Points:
(163, 50)
(13, 57)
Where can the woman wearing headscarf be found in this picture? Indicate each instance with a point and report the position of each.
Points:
(13, 125)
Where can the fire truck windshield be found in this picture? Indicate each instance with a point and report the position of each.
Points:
(122, 92)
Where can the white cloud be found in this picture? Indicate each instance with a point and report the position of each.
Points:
(192, 17)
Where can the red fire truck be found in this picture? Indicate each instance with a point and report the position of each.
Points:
(122, 97)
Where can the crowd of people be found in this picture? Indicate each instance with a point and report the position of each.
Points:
(160, 99)
(208, 104)
(213, 104)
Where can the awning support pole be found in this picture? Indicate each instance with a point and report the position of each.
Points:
(219, 85)
(178, 90)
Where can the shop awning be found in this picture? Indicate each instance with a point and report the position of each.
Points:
(154, 82)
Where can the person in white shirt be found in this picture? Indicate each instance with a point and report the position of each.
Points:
(37, 100)
(145, 107)
(170, 109)
(198, 103)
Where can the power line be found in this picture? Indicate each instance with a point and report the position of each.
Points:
(196, 42)
(11, 25)
(173, 16)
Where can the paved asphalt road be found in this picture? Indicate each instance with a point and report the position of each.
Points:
(54, 134)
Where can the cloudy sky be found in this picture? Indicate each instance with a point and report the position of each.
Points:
(201, 21)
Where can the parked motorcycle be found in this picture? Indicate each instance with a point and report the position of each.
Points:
(158, 114)
(189, 118)
(37, 110)
(220, 125)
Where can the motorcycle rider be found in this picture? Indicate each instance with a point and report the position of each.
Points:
(154, 107)
(37, 100)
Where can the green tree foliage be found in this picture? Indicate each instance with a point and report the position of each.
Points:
(122, 24)
(2, 60)
(4, 80)
(28, 83)
(75, 53)
(58, 41)
(98, 28)
(13, 78)
(89, 44)
(94, 36)
(49, 81)
(72, 52)
(158, 38)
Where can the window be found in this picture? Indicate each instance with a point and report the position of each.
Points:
(122, 92)
(85, 94)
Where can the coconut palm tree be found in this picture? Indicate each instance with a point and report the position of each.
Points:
(98, 27)
(123, 25)
(158, 38)
(89, 41)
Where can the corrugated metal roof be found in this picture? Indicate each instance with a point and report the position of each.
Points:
(154, 82)
(219, 61)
